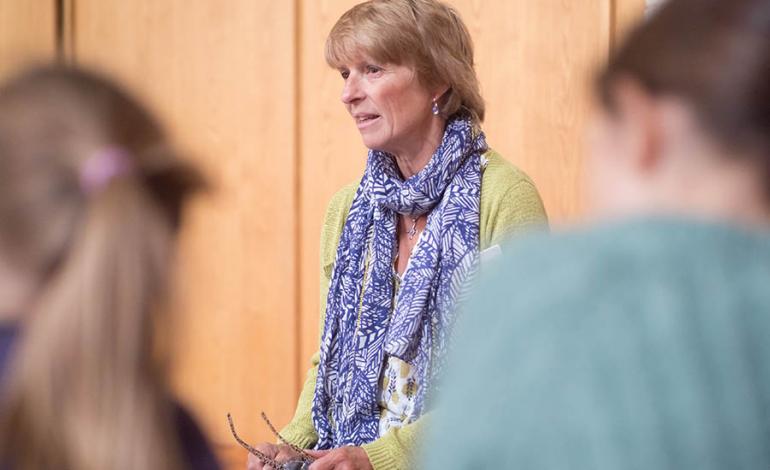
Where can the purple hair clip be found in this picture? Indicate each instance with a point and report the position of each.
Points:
(104, 166)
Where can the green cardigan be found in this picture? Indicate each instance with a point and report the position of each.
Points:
(509, 203)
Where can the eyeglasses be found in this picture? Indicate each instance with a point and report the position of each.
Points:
(298, 464)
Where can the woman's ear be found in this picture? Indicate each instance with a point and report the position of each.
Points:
(440, 92)
(641, 125)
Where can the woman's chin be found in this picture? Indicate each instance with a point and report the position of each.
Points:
(372, 143)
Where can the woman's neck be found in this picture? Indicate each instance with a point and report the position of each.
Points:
(724, 191)
(415, 156)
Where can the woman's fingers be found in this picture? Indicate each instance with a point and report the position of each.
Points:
(317, 454)
(286, 453)
(325, 459)
(253, 463)
(270, 450)
(344, 458)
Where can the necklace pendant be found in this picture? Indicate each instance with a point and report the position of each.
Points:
(413, 230)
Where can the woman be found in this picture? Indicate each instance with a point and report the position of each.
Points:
(91, 194)
(642, 342)
(398, 247)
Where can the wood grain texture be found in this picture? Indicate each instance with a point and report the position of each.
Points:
(331, 152)
(626, 13)
(534, 61)
(222, 75)
(27, 33)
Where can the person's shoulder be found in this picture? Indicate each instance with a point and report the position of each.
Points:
(509, 203)
(340, 202)
(538, 253)
(584, 246)
(334, 220)
(535, 266)
(626, 253)
(500, 175)
(338, 207)
(541, 275)
(560, 282)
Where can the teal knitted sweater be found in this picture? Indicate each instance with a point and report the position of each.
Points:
(641, 345)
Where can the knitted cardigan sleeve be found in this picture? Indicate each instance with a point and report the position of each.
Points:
(300, 430)
(509, 203)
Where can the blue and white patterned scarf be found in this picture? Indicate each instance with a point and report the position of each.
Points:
(359, 330)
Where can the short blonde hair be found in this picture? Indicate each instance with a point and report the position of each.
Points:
(425, 34)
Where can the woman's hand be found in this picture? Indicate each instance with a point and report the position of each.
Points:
(344, 458)
(281, 453)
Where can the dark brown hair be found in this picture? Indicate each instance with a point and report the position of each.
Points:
(713, 54)
(86, 388)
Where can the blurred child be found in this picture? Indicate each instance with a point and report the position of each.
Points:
(91, 194)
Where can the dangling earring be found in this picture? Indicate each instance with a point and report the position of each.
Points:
(435, 109)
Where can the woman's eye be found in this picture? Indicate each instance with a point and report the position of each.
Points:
(345, 74)
(373, 69)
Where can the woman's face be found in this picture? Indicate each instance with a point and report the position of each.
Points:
(389, 105)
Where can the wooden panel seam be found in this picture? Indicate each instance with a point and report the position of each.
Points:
(298, 223)
(65, 31)
(613, 39)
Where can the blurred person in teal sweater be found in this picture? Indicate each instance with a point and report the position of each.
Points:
(640, 341)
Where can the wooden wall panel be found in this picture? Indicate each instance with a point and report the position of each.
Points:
(27, 33)
(533, 61)
(224, 78)
(331, 152)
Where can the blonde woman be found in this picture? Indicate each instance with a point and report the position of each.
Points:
(398, 246)
(90, 200)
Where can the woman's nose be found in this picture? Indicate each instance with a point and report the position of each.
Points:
(351, 92)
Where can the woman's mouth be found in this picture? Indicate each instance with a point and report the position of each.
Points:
(365, 120)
